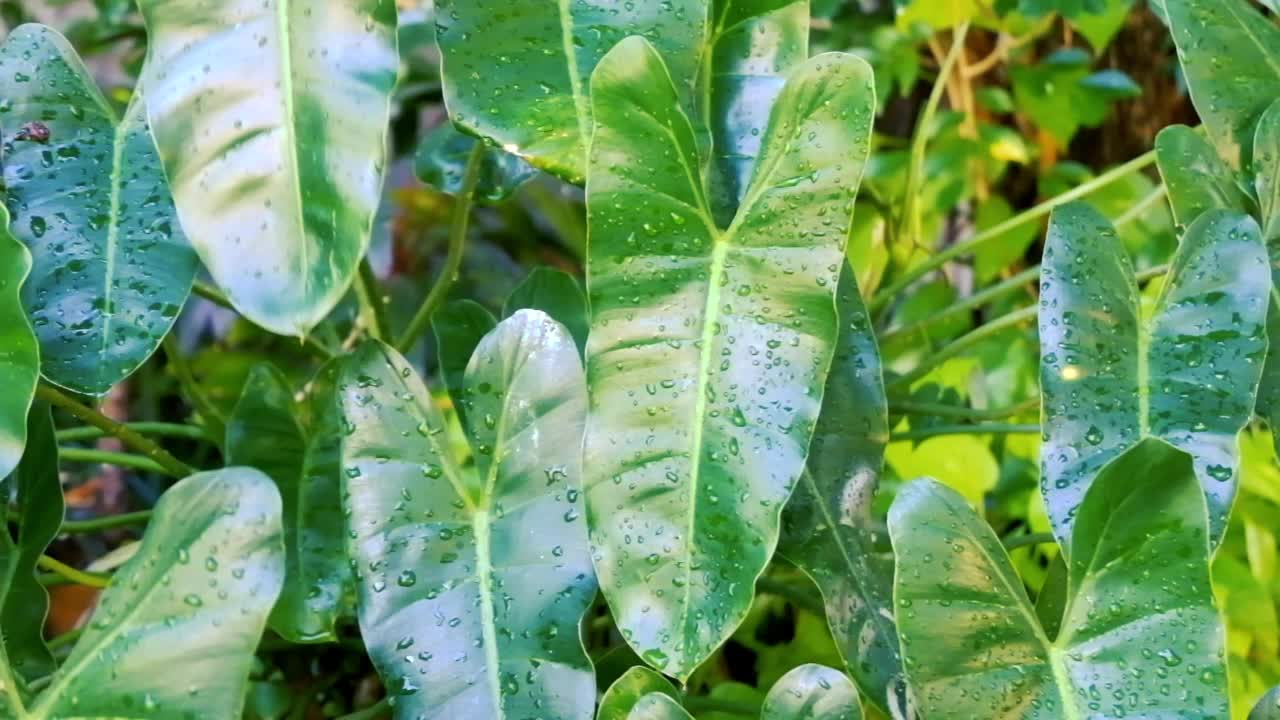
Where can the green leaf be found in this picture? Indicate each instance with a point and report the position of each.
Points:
(516, 71)
(701, 420)
(1268, 708)
(626, 692)
(1230, 58)
(1266, 171)
(1197, 179)
(19, 352)
(271, 118)
(657, 706)
(441, 162)
(23, 600)
(111, 267)
(1100, 27)
(826, 524)
(1111, 377)
(556, 293)
(474, 578)
(298, 446)
(809, 692)
(1061, 95)
(196, 596)
(459, 327)
(1140, 636)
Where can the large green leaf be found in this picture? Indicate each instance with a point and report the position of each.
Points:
(1111, 377)
(709, 348)
(174, 634)
(809, 692)
(1140, 636)
(271, 118)
(19, 352)
(441, 162)
(1197, 179)
(298, 446)
(826, 525)
(1230, 58)
(637, 682)
(39, 506)
(111, 267)
(556, 293)
(516, 71)
(473, 577)
(1268, 708)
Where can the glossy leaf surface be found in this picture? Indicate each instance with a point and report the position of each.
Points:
(826, 525)
(271, 119)
(19, 352)
(626, 691)
(1197, 179)
(473, 577)
(708, 348)
(1111, 377)
(556, 293)
(111, 267)
(298, 446)
(1266, 171)
(441, 162)
(1230, 58)
(195, 596)
(1140, 619)
(809, 692)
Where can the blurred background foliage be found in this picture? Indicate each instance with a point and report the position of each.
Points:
(1045, 96)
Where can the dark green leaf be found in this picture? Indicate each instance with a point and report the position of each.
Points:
(1140, 636)
(297, 445)
(473, 577)
(195, 597)
(556, 293)
(626, 691)
(826, 525)
(441, 162)
(1230, 58)
(708, 346)
(1266, 171)
(459, 327)
(271, 119)
(1111, 377)
(111, 267)
(809, 692)
(1268, 708)
(19, 353)
(1197, 179)
(516, 71)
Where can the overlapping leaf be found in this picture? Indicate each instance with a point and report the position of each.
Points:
(111, 267)
(556, 293)
(709, 347)
(473, 577)
(441, 162)
(1111, 377)
(196, 597)
(19, 352)
(625, 692)
(298, 446)
(459, 327)
(809, 692)
(1197, 179)
(271, 119)
(1140, 636)
(826, 525)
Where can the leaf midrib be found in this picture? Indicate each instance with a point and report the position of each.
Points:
(291, 137)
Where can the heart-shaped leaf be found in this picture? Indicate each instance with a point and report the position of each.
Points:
(516, 71)
(298, 446)
(556, 293)
(19, 351)
(195, 596)
(23, 600)
(441, 162)
(271, 118)
(111, 267)
(1110, 376)
(1140, 636)
(474, 577)
(826, 526)
(626, 691)
(809, 692)
(709, 347)
(1230, 58)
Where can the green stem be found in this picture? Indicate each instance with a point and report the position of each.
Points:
(215, 296)
(797, 596)
(969, 304)
(453, 261)
(131, 438)
(79, 577)
(161, 429)
(204, 407)
(381, 709)
(372, 306)
(111, 522)
(955, 411)
(1018, 541)
(895, 288)
(66, 638)
(109, 457)
(961, 344)
(988, 429)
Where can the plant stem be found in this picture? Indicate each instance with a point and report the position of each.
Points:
(895, 288)
(795, 595)
(66, 638)
(1018, 541)
(369, 294)
(453, 261)
(944, 410)
(204, 407)
(371, 712)
(111, 522)
(131, 438)
(963, 343)
(192, 432)
(109, 457)
(988, 429)
(78, 577)
(969, 304)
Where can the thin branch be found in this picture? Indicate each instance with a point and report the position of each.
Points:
(74, 527)
(988, 429)
(110, 457)
(373, 309)
(956, 411)
(192, 432)
(79, 577)
(1017, 541)
(963, 343)
(131, 438)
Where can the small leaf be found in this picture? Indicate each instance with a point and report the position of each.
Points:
(19, 352)
(271, 119)
(708, 346)
(473, 577)
(297, 446)
(459, 327)
(441, 162)
(1140, 604)
(1111, 377)
(1196, 178)
(626, 692)
(556, 293)
(1266, 171)
(812, 692)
